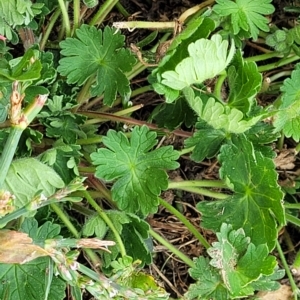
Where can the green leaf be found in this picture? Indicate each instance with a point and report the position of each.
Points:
(140, 174)
(94, 226)
(29, 281)
(172, 115)
(270, 282)
(256, 206)
(246, 15)
(207, 59)
(288, 117)
(239, 260)
(244, 83)
(99, 54)
(209, 283)
(213, 140)
(14, 13)
(218, 115)
(32, 176)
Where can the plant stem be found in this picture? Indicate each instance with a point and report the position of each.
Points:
(122, 10)
(200, 191)
(278, 64)
(76, 12)
(196, 183)
(186, 222)
(89, 141)
(49, 28)
(292, 205)
(65, 16)
(107, 220)
(131, 25)
(83, 95)
(292, 219)
(173, 249)
(103, 11)
(218, 86)
(287, 270)
(65, 220)
(264, 56)
(9, 152)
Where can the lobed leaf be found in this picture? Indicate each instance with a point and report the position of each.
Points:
(207, 59)
(218, 115)
(246, 15)
(140, 175)
(256, 206)
(99, 54)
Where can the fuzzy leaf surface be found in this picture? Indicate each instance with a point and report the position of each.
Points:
(101, 54)
(218, 115)
(246, 15)
(209, 284)
(239, 260)
(256, 205)
(288, 117)
(32, 176)
(140, 175)
(207, 59)
(244, 83)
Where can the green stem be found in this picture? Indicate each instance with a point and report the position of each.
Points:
(292, 205)
(173, 249)
(107, 220)
(9, 152)
(294, 287)
(131, 25)
(202, 191)
(186, 222)
(186, 150)
(196, 183)
(264, 56)
(103, 11)
(89, 141)
(297, 147)
(49, 28)
(76, 12)
(292, 219)
(122, 10)
(218, 86)
(83, 95)
(278, 64)
(65, 220)
(65, 17)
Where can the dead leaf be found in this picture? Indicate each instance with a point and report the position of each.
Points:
(17, 248)
(283, 293)
(285, 159)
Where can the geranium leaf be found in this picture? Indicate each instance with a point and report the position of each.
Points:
(101, 54)
(140, 175)
(256, 206)
(246, 15)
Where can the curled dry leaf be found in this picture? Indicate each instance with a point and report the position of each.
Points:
(17, 248)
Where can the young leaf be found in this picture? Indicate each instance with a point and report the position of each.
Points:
(209, 284)
(218, 115)
(288, 117)
(32, 176)
(206, 140)
(246, 15)
(101, 54)
(140, 174)
(207, 59)
(244, 83)
(240, 261)
(256, 206)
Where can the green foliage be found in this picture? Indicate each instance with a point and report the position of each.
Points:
(140, 175)
(244, 82)
(245, 16)
(15, 13)
(288, 117)
(207, 59)
(132, 229)
(38, 283)
(218, 115)
(257, 198)
(97, 54)
(232, 272)
(33, 176)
